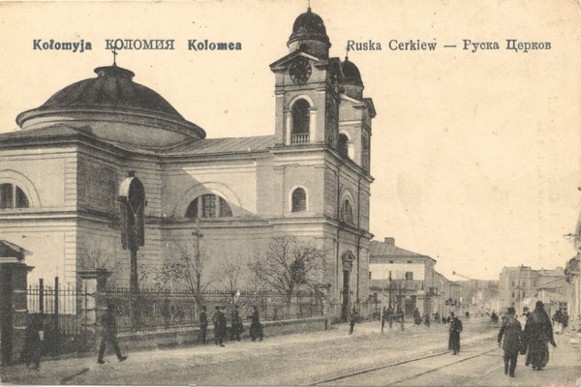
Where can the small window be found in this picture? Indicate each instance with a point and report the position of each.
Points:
(347, 212)
(369, 275)
(212, 206)
(343, 145)
(299, 200)
(12, 196)
(409, 261)
(409, 275)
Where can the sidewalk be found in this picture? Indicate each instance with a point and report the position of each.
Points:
(78, 370)
(62, 371)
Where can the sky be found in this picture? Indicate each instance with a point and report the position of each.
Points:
(475, 153)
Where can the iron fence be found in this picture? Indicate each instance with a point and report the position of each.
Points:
(59, 309)
(153, 309)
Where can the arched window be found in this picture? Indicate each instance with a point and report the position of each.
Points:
(11, 196)
(301, 122)
(299, 200)
(347, 212)
(343, 145)
(208, 206)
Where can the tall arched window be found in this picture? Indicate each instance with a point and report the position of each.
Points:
(299, 200)
(301, 122)
(343, 145)
(208, 206)
(11, 196)
(347, 212)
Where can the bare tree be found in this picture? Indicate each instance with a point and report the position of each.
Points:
(232, 274)
(186, 270)
(288, 265)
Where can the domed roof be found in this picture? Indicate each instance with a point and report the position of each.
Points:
(351, 73)
(112, 88)
(309, 26)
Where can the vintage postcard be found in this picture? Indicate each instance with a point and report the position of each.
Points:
(290, 192)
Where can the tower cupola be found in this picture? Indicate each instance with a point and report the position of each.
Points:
(309, 35)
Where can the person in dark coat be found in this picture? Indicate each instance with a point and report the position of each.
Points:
(513, 343)
(352, 319)
(417, 317)
(203, 324)
(454, 338)
(237, 325)
(389, 316)
(33, 338)
(427, 319)
(256, 331)
(219, 320)
(538, 333)
(109, 334)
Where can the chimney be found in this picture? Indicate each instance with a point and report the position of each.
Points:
(389, 241)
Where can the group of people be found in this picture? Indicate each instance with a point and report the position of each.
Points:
(236, 327)
(533, 340)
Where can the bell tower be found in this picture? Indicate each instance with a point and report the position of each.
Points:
(306, 87)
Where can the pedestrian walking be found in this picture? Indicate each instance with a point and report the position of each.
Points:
(203, 324)
(565, 320)
(510, 339)
(219, 320)
(389, 314)
(109, 334)
(237, 325)
(33, 341)
(256, 331)
(538, 333)
(352, 320)
(558, 322)
(417, 317)
(454, 338)
(427, 319)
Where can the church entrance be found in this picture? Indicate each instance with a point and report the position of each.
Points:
(348, 259)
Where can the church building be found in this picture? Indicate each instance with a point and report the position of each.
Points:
(64, 174)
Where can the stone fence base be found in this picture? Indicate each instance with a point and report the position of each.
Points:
(191, 336)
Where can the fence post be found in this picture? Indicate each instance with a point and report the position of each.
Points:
(13, 310)
(94, 283)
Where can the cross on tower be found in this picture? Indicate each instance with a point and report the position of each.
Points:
(114, 57)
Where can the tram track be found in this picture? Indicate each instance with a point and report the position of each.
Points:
(405, 362)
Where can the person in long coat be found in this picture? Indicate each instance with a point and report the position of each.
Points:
(203, 324)
(454, 338)
(511, 332)
(256, 331)
(237, 325)
(219, 320)
(32, 348)
(538, 333)
(109, 334)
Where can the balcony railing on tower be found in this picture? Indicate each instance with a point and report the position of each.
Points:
(300, 138)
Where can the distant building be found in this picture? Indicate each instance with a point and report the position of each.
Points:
(408, 279)
(515, 284)
(523, 286)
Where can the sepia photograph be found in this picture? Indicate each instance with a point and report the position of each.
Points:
(290, 192)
